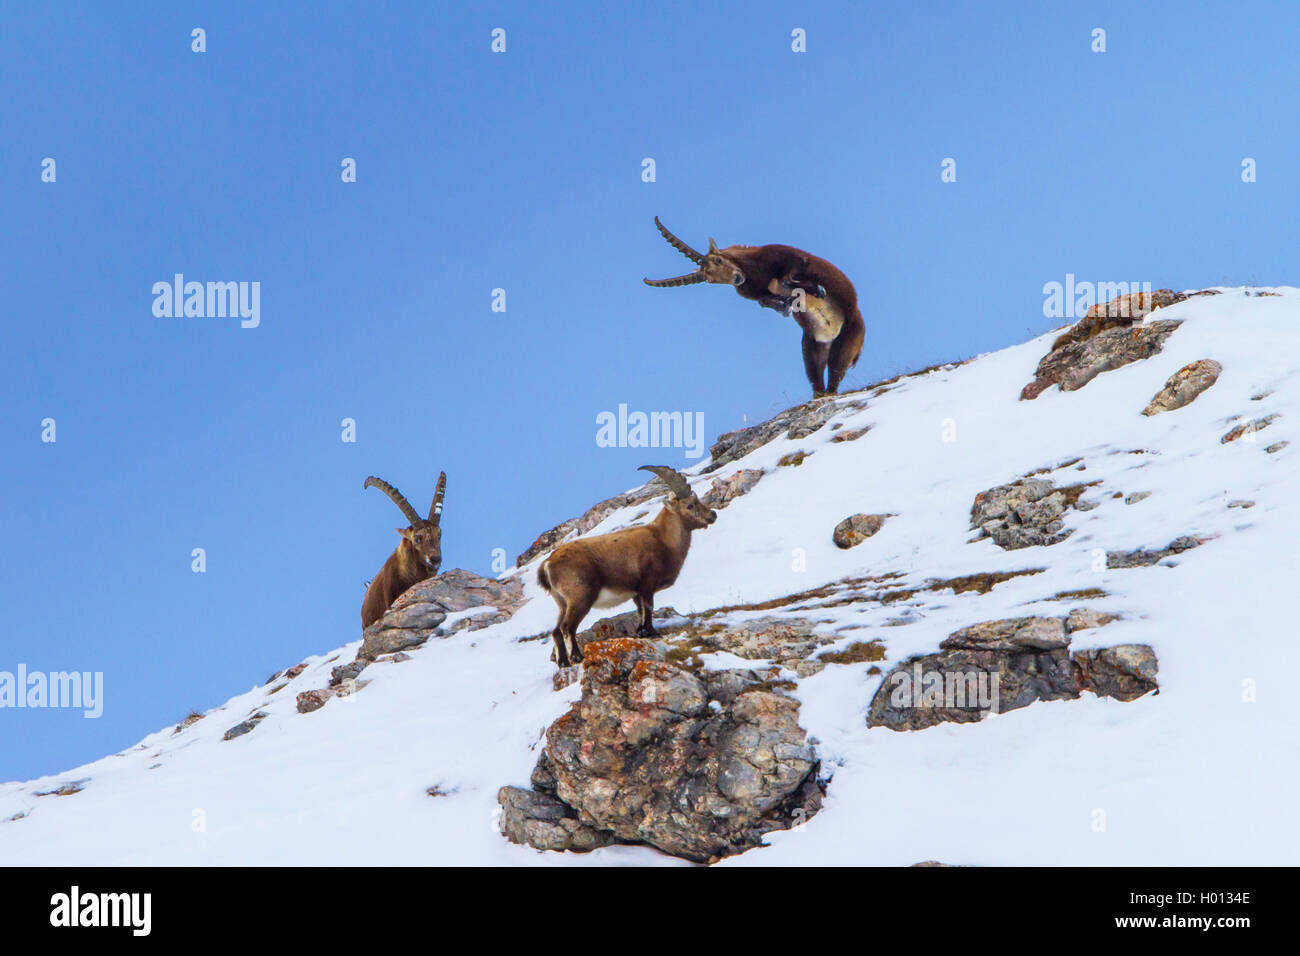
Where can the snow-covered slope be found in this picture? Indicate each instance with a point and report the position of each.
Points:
(1201, 773)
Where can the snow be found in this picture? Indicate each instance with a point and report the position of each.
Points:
(1201, 773)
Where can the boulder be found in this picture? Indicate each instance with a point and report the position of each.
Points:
(726, 490)
(793, 423)
(1248, 429)
(1023, 514)
(855, 529)
(418, 613)
(1073, 364)
(1125, 672)
(699, 765)
(998, 666)
(1184, 386)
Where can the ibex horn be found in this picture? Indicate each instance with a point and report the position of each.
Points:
(689, 279)
(412, 516)
(677, 244)
(678, 485)
(435, 509)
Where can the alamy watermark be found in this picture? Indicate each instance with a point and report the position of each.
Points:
(62, 689)
(1072, 298)
(624, 429)
(210, 300)
(971, 690)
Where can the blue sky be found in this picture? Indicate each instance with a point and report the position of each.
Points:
(522, 171)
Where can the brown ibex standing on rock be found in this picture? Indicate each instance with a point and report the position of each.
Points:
(418, 556)
(633, 563)
(819, 296)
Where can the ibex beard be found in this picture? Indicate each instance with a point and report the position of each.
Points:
(633, 563)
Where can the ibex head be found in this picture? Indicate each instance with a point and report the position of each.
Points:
(424, 534)
(713, 266)
(693, 512)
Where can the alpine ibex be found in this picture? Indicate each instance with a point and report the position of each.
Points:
(417, 557)
(819, 296)
(633, 563)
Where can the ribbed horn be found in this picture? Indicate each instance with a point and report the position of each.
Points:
(435, 509)
(677, 244)
(689, 279)
(678, 485)
(412, 516)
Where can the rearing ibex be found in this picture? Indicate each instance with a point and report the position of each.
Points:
(417, 557)
(633, 563)
(819, 296)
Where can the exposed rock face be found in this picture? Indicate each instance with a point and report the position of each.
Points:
(788, 642)
(726, 490)
(537, 819)
(1184, 386)
(1142, 558)
(417, 614)
(1125, 672)
(1076, 363)
(1120, 312)
(793, 423)
(1024, 513)
(855, 529)
(698, 765)
(997, 666)
(1248, 429)
(244, 726)
(1013, 634)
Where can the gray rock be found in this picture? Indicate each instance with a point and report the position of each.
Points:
(540, 820)
(1075, 363)
(1248, 429)
(855, 529)
(1026, 513)
(1125, 672)
(245, 726)
(1136, 497)
(793, 423)
(699, 765)
(726, 490)
(1141, 558)
(999, 666)
(418, 613)
(1184, 386)
(1013, 634)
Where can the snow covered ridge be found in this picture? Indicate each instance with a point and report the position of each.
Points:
(987, 524)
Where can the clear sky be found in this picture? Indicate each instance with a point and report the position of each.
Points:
(522, 171)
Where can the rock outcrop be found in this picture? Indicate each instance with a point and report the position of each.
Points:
(699, 765)
(855, 529)
(421, 610)
(1024, 513)
(793, 423)
(1074, 362)
(1142, 557)
(998, 666)
(1184, 386)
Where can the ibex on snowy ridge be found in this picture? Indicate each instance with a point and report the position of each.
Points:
(633, 563)
(819, 296)
(417, 557)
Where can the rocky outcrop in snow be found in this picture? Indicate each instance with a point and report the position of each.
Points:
(699, 764)
(1024, 513)
(998, 666)
(1094, 346)
(1184, 386)
(420, 611)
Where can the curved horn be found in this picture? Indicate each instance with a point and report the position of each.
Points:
(677, 244)
(678, 485)
(412, 515)
(435, 509)
(690, 279)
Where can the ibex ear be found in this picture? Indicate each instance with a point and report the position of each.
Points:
(404, 532)
(713, 246)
